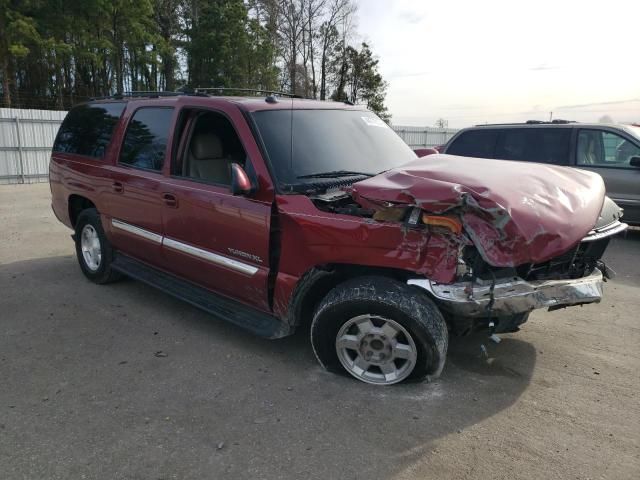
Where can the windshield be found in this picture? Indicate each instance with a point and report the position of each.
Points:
(634, 130)
(310, 146)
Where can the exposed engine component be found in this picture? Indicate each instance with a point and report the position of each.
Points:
(578, 262)
(336, 200)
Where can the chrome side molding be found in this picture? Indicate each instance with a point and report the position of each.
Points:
(186, 248)
(141, 232)
(209, 256)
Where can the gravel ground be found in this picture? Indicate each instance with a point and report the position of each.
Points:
(84, 392)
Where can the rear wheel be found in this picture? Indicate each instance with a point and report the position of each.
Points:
(93, 250)
(380, 331)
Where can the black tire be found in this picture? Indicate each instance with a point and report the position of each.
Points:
(103, 273)
(388, 298)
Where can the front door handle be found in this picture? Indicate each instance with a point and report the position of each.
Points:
(170, 200)
(117, 187)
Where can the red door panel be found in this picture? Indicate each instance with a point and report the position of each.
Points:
(134, 213)
(218, 240)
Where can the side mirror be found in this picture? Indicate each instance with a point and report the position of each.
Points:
(634, 162)
(240, 183)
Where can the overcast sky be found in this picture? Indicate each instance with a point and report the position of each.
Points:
(498, 60)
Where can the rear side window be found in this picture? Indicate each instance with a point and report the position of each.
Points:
(474, 143)
(542, 145)
(145, 142)
(87, 129)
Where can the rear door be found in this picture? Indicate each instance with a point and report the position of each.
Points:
(608, 152)
(213, 238)
(135, 202)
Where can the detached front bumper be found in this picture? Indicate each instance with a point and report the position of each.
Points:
(513, 296)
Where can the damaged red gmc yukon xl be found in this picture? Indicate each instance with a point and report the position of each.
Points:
(276, 213)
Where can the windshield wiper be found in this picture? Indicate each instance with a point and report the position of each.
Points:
(336, 174)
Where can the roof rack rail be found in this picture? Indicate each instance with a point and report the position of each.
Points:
(528, 122)
(263, 91)
(198, 92)
(152, 93)
(140, 93)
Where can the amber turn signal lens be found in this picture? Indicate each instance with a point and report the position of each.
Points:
(450, 223)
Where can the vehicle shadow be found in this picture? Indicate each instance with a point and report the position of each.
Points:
(142, 385)
(620, 249)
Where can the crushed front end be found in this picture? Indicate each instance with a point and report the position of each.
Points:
(528, 238)
(574, 278)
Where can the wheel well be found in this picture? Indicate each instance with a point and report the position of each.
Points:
(319, 281)
(77, 204)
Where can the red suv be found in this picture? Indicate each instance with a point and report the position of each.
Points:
(275, 213)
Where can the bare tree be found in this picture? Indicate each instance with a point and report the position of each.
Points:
(442, 123)
(313, 38)
(266, 13)
(334, 30)
(291, 29)
(313, 13)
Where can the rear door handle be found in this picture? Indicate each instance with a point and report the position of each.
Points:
(117, 187)
(170, 200)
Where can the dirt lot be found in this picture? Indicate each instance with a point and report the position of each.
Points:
(84, 394)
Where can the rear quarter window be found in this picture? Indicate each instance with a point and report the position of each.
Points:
(87, 129)
(474, 143)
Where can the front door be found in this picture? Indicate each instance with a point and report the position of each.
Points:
(213, 238)
(609, 154)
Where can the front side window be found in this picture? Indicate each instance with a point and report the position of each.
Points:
(306, 146)
(145, 142)
(212, 146)
(87, 129)
(605, 149)
(474, 143)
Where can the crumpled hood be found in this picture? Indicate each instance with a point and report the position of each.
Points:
(514, 212)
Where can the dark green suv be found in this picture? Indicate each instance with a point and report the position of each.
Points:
(613, 151)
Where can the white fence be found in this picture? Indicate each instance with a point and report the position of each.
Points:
(424, 136)
(26, 138)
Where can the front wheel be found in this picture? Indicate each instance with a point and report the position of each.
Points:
(380, 331)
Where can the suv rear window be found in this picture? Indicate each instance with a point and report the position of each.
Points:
(474, 143)
(87, 129)
(543, 145)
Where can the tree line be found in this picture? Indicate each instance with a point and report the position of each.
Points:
(55, 53)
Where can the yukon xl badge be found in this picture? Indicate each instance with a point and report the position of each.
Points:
(248, 256)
